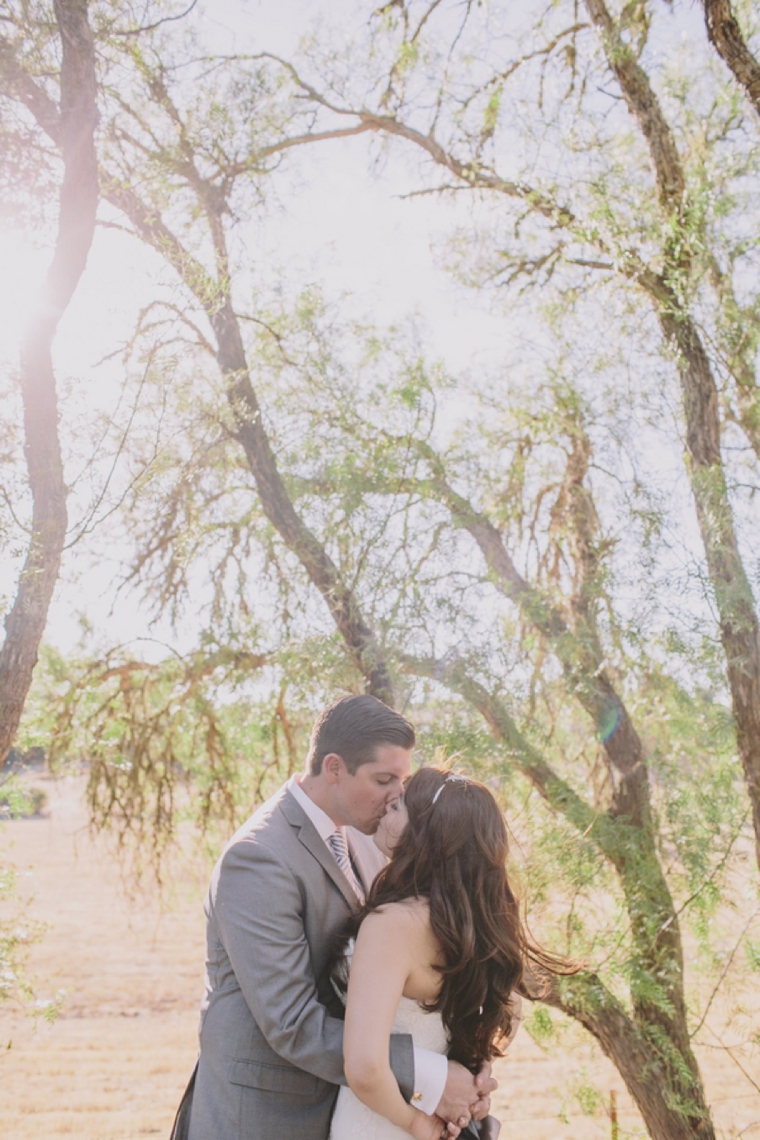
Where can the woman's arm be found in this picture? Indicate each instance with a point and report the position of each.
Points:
(388, 946)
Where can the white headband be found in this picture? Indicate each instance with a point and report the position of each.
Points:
(450, 778)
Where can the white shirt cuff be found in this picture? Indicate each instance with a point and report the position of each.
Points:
(430, 1073)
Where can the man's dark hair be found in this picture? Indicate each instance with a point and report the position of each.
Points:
(352, 728)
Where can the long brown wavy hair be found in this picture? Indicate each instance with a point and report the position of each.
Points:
(453, 854)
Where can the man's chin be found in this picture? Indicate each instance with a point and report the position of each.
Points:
(368, 828)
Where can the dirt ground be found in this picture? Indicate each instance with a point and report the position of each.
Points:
(114, 1063)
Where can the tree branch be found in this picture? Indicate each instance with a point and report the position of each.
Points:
(20, 85)
(214, 296)
(158, 23)
(552, 788)
(643, 105)
(725, 35)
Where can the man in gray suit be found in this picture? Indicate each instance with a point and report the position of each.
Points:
(271, 1032)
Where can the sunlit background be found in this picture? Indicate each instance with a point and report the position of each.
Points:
(356, 236)
(352, 220)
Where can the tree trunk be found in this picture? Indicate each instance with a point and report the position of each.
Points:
(649, 1046)
(279, 509)
(580, 654)
(630, 845)
(251, 433)
(739, 629)
(585, 998)
(25, 623)
(656, 937)
(724, 33)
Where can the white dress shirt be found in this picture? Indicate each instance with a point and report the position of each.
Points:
(430, 1069)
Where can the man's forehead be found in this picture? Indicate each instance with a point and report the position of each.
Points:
(389, 760)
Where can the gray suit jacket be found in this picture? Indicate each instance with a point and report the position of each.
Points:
(271, 1032)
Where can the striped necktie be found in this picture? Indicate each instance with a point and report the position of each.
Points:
(337, 844)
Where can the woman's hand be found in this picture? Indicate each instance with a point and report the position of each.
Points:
(426, 1127)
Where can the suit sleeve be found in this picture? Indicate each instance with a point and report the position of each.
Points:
(258, 909)
(259, 913)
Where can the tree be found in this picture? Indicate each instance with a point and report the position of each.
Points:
(481, 580)
(653, 1035)
(675, 256)
(70, 122)
(416, 546)
(725, 34)
(209, 170)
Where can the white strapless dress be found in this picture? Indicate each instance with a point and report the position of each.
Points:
(352, 1120)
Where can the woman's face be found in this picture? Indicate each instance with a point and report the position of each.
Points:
(391, 827)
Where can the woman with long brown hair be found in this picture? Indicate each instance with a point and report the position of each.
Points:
(440, 952)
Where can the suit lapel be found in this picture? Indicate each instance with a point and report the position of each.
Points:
(316, 846)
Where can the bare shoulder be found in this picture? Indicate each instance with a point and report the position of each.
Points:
(407, 912)
(400, 936)
(406, 921)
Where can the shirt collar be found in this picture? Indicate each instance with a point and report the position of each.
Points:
(321, 820)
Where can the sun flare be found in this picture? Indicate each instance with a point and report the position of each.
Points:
(24, 269)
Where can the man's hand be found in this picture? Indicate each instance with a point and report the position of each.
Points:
(465, 1096)
(485, 1084)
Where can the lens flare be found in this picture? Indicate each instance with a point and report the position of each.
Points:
(608, 722)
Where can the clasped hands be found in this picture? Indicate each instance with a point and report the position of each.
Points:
(465, 1098)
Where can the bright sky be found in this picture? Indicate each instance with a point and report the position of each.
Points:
(348, 230)
(345, 229)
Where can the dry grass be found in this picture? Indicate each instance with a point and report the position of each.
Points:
(114, 1063)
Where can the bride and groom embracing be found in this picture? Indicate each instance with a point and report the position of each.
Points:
(355, 886)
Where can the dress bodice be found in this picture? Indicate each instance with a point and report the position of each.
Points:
(352, 1120)
(426, 1028)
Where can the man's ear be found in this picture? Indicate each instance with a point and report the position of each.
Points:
(333, 767)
